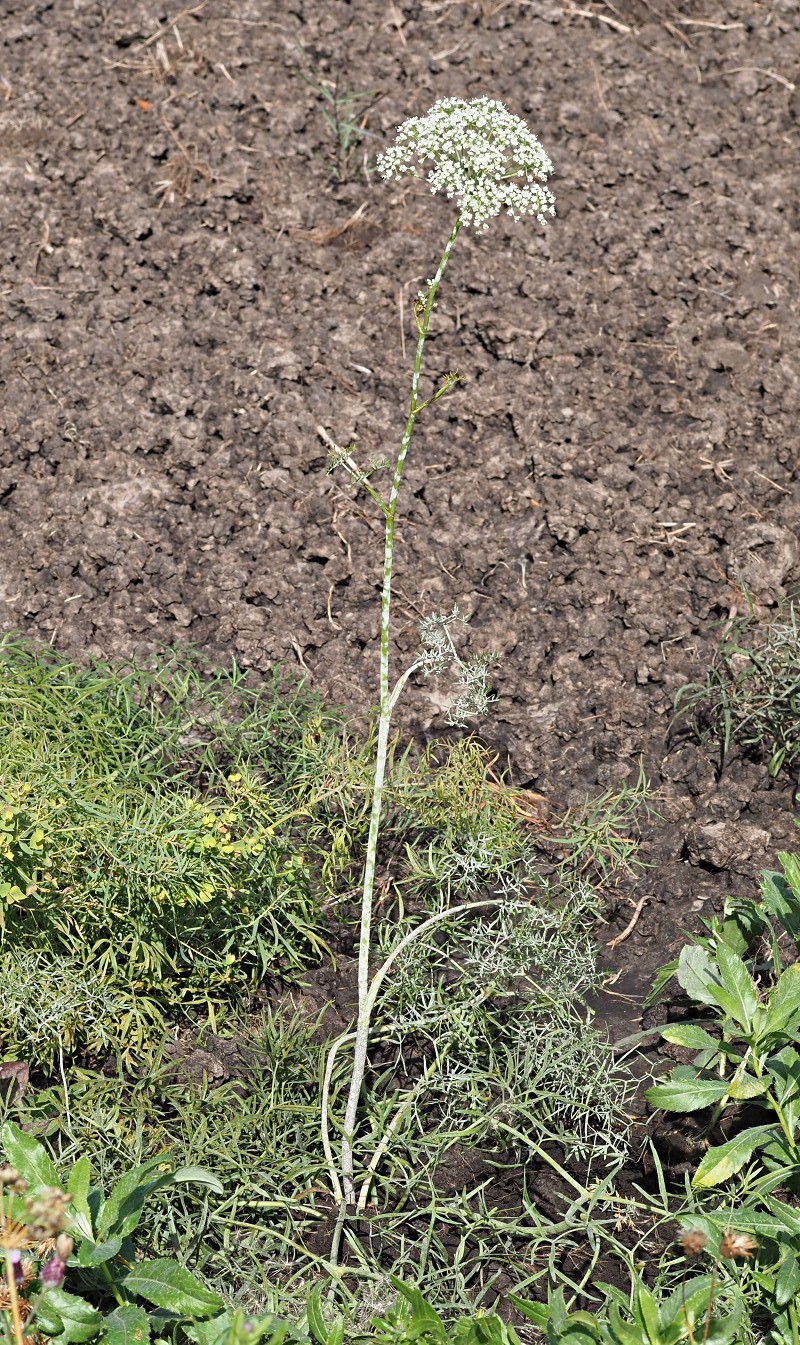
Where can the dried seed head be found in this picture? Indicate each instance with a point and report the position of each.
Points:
(13, 1234)
(481, 155)
(46, 1212)
(12, 1180)
(693, 1241)
(737, 1246)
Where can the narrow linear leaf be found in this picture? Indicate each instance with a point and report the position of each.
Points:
(198, 1177)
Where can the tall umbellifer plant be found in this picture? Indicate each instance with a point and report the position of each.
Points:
(486, 160)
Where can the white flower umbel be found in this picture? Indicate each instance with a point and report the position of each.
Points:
(489, 161)
(481, 155)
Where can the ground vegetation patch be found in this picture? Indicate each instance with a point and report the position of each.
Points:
(210, 296)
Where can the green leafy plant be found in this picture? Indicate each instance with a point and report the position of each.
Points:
(489, 161)
(751, 695)
(745, 976)
(748, 1055)
(345, 115)
(640, 1317)
(412, 1319)
(149, 832)
(95, 1254)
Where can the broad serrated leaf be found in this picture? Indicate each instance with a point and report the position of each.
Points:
(28, 1156)
(736, 979)
(126, 1325)
(725, 1160)
(691, 1299)
(169, 1285)
(783, 1007)
(691, 1036)
(696, 975)
(687, 1090)
(780, 901)
(787, 1281)
(78, 1184)
(744, 1086)
(423, 1314)
(661, 979)
(122, 1210)
(647, 1312)
(787, 1216)
(97, 1253)
(79, 1320)
(791, 870)
(724, 1330)
(216, 1331)
(538, 1313)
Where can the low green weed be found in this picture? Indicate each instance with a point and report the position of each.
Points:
(80, 1234)
(741, 981)
(345, 115)
(751, 695)
(146, 831)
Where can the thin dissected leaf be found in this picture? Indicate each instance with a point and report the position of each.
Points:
(725, 1160)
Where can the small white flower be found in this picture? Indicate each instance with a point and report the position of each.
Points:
(481, 155)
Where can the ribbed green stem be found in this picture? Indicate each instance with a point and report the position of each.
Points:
(387, 702)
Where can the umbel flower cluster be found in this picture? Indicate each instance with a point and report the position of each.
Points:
(481, 155)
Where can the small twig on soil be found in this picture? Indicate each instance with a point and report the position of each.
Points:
(759, 70)
(322, 236)
(183, 170)
(632, 923)
(601, 18)
(707, 23)
(170, 23)
(334, 624)
(298, 651)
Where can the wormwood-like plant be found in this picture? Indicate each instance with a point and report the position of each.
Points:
(487, 160)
